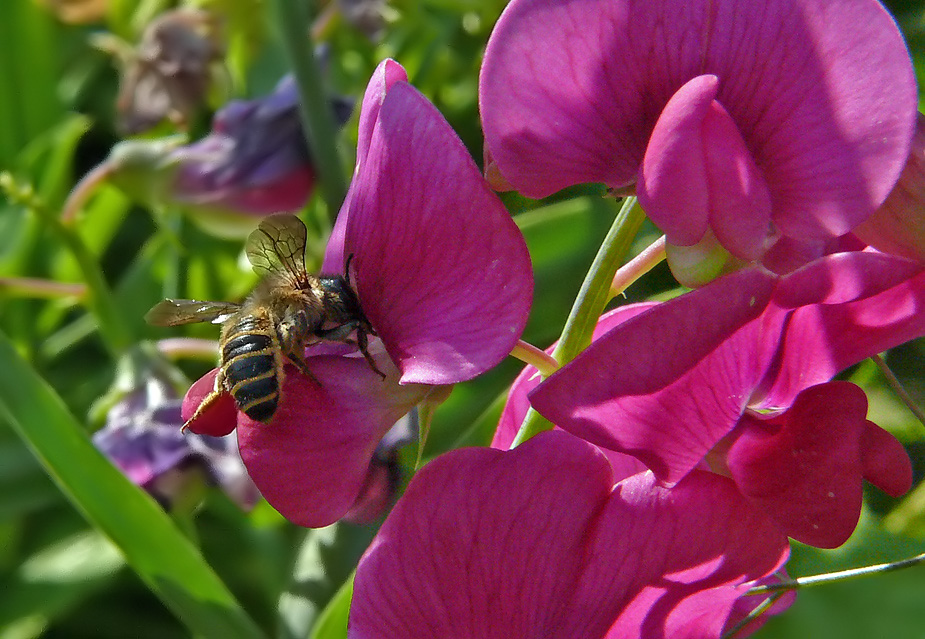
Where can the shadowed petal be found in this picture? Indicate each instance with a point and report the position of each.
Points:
(442, 271)
(310, 462)
(484, 543)
(805, 466)
(702, 541)
(667, 385)
(888, 309)
(533, 543)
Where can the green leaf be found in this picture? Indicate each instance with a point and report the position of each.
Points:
(332, 624)
(164, 559)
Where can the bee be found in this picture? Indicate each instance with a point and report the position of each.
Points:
(289, 309)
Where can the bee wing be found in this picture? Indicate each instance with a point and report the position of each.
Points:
(174, 312)
(277, 247)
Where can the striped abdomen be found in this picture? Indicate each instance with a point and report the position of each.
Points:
(250, 370)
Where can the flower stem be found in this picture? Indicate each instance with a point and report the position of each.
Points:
(759, 610)
(314, 108)
(832, 577)
(592, 298)
(651, 257)
(39, 288)
(188, 347)
(899, 389)
(83, 190)
(539, 359)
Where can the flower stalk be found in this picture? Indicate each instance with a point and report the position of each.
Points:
(314, 108)
(590, 302)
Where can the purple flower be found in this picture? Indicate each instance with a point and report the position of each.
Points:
(255, 160)
(736, 377)
(142, 437)
(738, 124)
(441, 272)
(540, 542)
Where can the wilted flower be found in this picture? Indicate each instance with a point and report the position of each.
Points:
(739, 125)
(736, 377)
(546, 541)
(442, 274)
(170, 73)
(142, 437)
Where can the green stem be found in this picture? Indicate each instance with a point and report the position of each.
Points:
(841, 575)
(591, 300)
(899, 389)
(317, 117)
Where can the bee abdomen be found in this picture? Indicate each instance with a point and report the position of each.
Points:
(251, 373)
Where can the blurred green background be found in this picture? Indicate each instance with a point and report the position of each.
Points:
(60, 576)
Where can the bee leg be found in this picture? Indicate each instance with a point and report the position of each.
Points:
(217, 391)
(362, 332)
(207, 401)
(300, 363)
(363, 329)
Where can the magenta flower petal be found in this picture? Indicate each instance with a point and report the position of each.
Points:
(515, 409)
(805, 467)
(676, 378)
(533, 543)
(886, 463)
(220, 418)
(312, 460)
(697, 162)
(702, 540)
(870, 303)
(451, 560)
(570, 92)
(674, 173)
(450, 290)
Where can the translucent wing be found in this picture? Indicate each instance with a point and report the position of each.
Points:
(173, 312)
(277, 247)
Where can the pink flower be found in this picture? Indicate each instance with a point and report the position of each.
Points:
(736, 377)
(540, 542)
(441, 272)
(738, 124)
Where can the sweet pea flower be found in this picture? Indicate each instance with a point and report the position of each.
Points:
(441, 272)
(736, 377)
(256, 159)
(142, 437)
(545, 541)
(738, 125)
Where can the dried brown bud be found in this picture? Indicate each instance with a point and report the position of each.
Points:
(170, 73)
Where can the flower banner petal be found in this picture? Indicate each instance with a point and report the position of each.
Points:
(442, 271)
